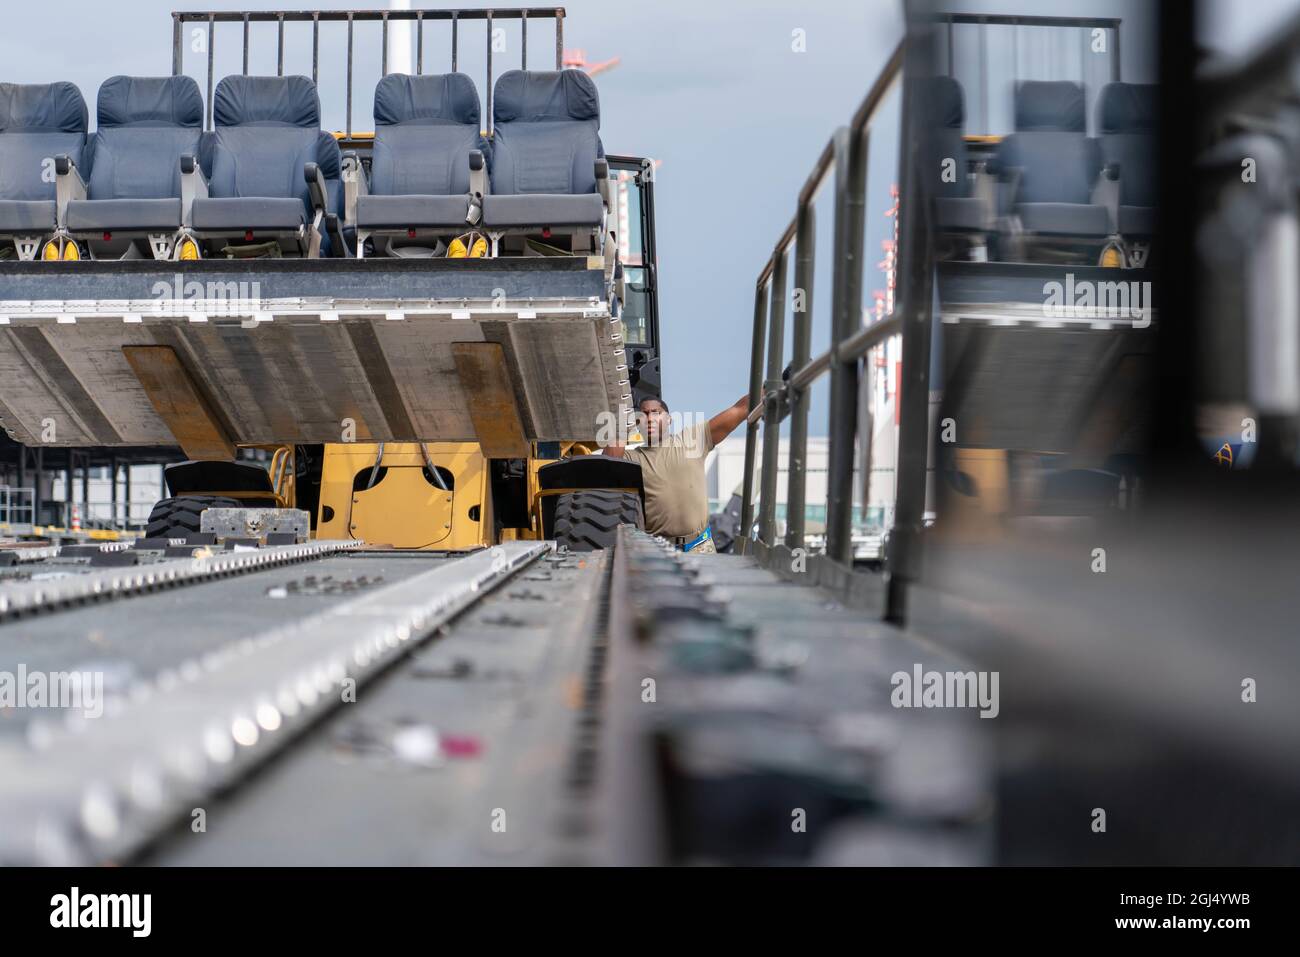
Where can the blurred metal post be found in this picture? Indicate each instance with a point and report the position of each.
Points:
(915, 266)
(846, 319)
(772, 416)
(751, 428)
(797, 467)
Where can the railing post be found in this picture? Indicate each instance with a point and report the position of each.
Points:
(796, 483)
(488, 94)
(349, 124)
(212, 29)
(916, 289)
(176, 44)
(751, 428)
(846, 319)
(772, 415)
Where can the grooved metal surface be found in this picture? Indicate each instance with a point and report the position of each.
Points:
(259, 363)
(30, 597)
(500, 689)
(98, 789)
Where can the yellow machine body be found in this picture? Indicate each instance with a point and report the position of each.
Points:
(404, 509)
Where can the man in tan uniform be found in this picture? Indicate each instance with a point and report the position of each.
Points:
(672, 468)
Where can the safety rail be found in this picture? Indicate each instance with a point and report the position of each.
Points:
(17, 505)
(774, 396)
(351, 17)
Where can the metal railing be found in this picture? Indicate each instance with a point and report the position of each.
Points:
(846, 155)
(351, 17)
(772, 398)
(17, 505)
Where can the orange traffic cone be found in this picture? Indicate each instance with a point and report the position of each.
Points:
(76, 519)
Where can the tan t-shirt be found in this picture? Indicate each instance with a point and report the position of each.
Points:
(676, 496)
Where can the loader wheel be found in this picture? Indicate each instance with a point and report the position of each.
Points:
(588, 521)
(178, 517)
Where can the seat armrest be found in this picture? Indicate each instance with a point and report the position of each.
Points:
(1007, 179)
(1106, 193)
(193, 186)
(602, 179)
(984, 189)
(355, 185)
(68, 185)
(334, 229)
(478, 186)
(316, 190)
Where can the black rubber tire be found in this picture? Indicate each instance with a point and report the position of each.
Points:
(588, 521)
(179, 516)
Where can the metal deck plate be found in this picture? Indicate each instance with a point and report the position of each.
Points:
(296, 370)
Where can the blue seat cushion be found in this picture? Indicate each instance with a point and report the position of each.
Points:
(542, 209)
(27, 216)
(1064, 219)
(960, 213)
(406, 212)
(248, 213)
(138, 215)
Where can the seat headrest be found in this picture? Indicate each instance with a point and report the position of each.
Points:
(533, 96)
(42, 108)
(150, 101)
(940, 101)
(266, 100)
(431, 98)
(1044, 106)
(1127, 108)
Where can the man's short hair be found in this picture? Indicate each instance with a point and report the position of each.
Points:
(655, 398)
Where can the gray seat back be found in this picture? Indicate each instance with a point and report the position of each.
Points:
(425, 128)
(1126, 120)
(1058, 162)
(267, 129)
(546, 132)
(145, 125)
(941, 108)
(37, 123)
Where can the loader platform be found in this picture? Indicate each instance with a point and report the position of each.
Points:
(513, 705)
(280, 351)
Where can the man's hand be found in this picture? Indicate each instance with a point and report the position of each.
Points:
(725, 422)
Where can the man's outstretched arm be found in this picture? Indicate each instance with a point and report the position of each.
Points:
(725, 422)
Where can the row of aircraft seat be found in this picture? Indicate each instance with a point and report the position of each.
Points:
(269, 181)
(1049, 183)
